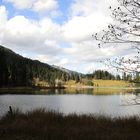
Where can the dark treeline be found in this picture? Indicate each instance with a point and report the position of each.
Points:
(16, 70)
(105, 75)
(131, 77)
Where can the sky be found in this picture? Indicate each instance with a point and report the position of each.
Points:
(57, 32)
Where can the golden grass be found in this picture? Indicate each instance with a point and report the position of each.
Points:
(98, 90)
(103, 83)
(108, 91)
(70, 83)
(112, 83)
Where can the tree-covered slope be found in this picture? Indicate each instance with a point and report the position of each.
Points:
(16, 70)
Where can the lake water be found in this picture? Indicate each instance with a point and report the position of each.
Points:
(87, 101)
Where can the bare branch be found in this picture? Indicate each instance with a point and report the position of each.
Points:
(125, 31)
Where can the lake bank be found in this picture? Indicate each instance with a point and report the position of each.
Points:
(114, 84)
(68, 89)
(104, 90)
(43, 125)
(73, 84)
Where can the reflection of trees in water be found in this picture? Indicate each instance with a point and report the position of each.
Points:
(130, 99)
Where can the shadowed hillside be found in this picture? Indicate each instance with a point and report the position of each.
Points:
(16, 70)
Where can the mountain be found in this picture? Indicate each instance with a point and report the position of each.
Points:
(16, 70)
(67, 70)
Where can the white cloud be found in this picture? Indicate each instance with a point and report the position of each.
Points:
(41, 39)
(88, 51)
(81, 28)
(87, 7)
(3, 15)
(50, 29)
(53, 60)
(3, 20)
(21, 4)
(83, 7)
(21, 33)
(45, 5)
(35, 5)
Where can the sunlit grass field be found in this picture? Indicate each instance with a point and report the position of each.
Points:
(104, 83)
(112, 83)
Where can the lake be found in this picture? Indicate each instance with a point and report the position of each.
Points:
(109, 101)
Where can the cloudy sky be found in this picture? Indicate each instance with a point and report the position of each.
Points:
(57, 32)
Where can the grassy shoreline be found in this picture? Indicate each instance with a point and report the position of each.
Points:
(100, 87)
(73, 84)
(67, 87)
(69, 90)
(49, 125)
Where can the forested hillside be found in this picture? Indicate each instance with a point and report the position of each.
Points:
(104, 75)
(16, 70)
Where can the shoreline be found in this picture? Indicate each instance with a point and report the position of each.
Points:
(66, 87)
(40, 124)
(101, 87)
(68, 90)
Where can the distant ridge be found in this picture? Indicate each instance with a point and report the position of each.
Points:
(66, 70)
(16, 70)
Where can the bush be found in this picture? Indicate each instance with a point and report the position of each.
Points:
(90, 83)
(87, 82)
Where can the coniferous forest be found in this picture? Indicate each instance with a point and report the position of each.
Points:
(16, 70)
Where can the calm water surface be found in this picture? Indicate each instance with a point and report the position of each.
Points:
(118, 104)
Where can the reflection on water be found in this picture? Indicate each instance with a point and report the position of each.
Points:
(130, 99)
(95, 91)
(85, 101)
